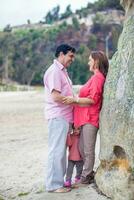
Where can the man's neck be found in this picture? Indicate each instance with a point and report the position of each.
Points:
(60, 61)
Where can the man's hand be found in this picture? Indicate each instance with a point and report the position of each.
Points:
(68, 100)
(57, 97)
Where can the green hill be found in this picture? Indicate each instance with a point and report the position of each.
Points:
(27, 50)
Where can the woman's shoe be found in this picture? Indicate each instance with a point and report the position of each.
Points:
(67, 183)
(77, 180)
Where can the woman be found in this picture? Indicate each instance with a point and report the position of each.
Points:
(87, 110)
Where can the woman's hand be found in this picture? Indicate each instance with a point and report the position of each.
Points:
(84, 101)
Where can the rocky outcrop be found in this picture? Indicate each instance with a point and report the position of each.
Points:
(115, 175)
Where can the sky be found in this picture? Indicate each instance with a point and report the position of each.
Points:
(17, 12)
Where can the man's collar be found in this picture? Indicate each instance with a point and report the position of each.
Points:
(58, 64)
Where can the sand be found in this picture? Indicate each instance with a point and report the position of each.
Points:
(23, 150)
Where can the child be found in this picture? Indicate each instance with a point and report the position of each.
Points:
(74, 157)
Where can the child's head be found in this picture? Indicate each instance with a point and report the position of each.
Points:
(76, 130)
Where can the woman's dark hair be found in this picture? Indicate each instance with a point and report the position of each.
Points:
(64, 48)
(102, 59)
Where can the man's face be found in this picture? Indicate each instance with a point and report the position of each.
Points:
(68, 58)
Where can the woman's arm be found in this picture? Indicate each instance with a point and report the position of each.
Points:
(78, 100)
(83, 101)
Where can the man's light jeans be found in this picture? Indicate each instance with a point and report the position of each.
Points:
(56, 169)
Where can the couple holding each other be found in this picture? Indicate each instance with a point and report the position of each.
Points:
(59, 101)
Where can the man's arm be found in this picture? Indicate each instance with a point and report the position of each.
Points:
(57, 97)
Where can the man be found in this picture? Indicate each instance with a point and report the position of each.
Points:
(57, 86)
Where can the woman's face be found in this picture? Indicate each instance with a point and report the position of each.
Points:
(91, 64)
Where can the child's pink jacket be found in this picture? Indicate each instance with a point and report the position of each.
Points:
(72, 143)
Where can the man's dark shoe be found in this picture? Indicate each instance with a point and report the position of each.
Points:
(84, 181)
(88, 179)
(91, 177)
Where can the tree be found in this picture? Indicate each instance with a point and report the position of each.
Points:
(79, 71)
(6, 51)
(48, 18)
(7, 28)
(92, 43)
(76, 23)
(98, 19)
(52, 15)
(107, 4)
(55, 13)
(68, 12)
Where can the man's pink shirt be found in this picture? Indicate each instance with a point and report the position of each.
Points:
(56, 78)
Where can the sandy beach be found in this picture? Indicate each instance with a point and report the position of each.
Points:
(23, 150)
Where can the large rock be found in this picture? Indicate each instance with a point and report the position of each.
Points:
(115, 175)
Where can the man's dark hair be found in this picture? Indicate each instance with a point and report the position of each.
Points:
(64, 48)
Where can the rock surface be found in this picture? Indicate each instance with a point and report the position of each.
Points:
(115, 175)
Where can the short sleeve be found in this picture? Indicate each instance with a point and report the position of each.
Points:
(53, 81)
